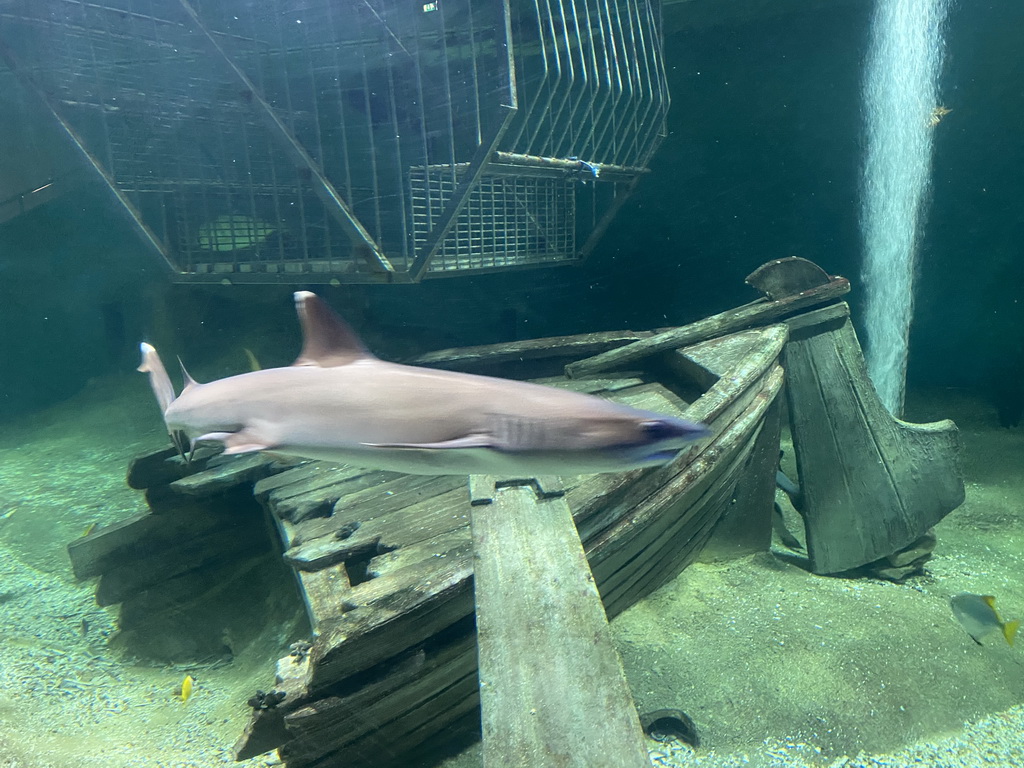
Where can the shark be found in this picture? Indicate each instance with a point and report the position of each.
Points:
(339, 402)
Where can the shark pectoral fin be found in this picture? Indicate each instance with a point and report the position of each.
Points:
(242, 441)
(469, 441)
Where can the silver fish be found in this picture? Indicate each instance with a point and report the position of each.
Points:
(340, 403)
(978, 615)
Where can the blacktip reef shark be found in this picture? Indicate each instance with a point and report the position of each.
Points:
(338, 402)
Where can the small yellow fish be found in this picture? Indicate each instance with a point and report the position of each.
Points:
(89, 529)
(937, 114)
(186, 688)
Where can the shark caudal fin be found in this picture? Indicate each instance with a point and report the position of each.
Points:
(327, 340)
(161, 385)
(159, 381)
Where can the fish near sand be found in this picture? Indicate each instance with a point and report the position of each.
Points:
(186, 688)
(338, 402)
(980, 618)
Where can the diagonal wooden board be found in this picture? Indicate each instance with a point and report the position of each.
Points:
(552, 688)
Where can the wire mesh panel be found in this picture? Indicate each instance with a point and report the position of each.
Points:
(357, 140)
(506, 221)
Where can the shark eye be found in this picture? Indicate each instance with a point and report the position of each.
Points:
(673, 429)
(659, 430)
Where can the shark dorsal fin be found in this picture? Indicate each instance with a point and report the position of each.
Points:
(327, 340)
(186, 379)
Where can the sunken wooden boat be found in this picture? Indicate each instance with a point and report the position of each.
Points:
(385, 561)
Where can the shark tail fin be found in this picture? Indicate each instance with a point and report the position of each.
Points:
(159, 381)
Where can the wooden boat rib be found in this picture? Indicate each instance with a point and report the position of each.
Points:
(387, 575)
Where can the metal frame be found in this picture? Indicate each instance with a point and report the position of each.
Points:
(352, 140)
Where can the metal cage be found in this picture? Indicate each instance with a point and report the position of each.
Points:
(352, 140)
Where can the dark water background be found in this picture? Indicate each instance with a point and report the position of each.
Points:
(761, 162)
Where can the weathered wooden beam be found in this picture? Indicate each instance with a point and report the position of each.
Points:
(532, 349)
(757, 313)
(133, 542)
(552, 688)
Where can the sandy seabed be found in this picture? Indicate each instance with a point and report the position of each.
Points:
(776, 666)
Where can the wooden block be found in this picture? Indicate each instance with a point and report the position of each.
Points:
(872, 484)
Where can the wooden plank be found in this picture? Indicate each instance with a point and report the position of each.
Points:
(390, 615)
(320, 501)
(304, 479)
(454, 543)
(333, 722)
(296, 474)
(178, 558)
(133, 541)
(402, 525)
(157, 468)
(103, 548)
(592, 386)
(227, 473)
(872, 484)
(756, 313)
(552, 688)
(355, 511)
